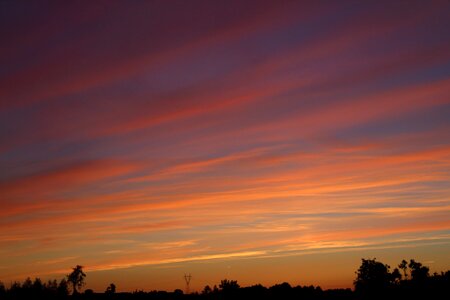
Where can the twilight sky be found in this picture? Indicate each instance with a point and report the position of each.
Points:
(262, 141)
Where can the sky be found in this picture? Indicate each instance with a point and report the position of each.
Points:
(260, 141)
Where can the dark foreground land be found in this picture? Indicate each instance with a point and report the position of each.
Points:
(374, 280)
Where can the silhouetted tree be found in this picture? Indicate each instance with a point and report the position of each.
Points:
(88, 294)
(15, 286)
(63, 288)
(373, 281)
(281, 290)
(76, 278)
(26, 290)
(256, 291)
(111, 289)
(229, 288)
(2, 289)
(404, 266)
(38, 287)
(229, 285)
(52, 286)
(14, 290)
(372, 278)
(396, 276)
(27, 284)
(207, 290)
(418, 271)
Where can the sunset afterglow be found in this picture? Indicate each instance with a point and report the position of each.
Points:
(288, 139)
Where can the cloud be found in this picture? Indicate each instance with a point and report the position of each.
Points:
(67, 177)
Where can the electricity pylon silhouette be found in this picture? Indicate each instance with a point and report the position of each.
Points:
(187, 279)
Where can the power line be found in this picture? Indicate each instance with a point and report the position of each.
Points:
(187, 279)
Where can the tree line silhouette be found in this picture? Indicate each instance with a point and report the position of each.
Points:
(374, 280)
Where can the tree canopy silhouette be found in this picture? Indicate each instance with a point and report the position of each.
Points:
(372, 277)
(76, 278)
(111, 289)
(228, 285)
(373, 281)
(404, 266)
(418, 271)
